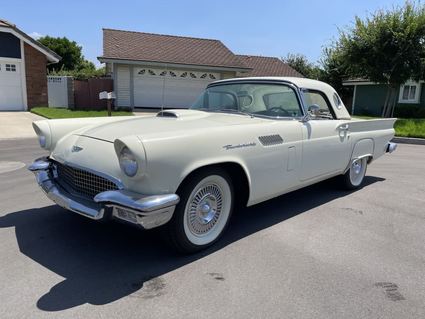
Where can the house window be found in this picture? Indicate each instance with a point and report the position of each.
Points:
(409, 93)
(11, 67)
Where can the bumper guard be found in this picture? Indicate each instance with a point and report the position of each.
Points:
(149, 211)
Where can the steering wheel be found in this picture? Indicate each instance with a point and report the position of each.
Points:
(279, 109)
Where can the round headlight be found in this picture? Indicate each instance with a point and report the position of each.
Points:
(42, 141)
(128, 162)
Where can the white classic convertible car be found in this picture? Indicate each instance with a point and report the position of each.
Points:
(244, 141)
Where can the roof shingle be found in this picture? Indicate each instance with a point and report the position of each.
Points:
(267, 66)
(141, 46)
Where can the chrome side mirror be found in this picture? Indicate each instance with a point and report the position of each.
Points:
(314, 109)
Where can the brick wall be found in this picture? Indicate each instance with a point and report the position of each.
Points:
(36, 75)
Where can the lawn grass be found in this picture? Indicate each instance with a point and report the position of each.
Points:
(410, 128)
(406, 127)
(62, 113)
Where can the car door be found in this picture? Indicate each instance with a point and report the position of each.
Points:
(326, 140)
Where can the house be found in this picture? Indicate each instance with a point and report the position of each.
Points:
(154, 70)
(23, 60)
(266, 66)
(368, 98)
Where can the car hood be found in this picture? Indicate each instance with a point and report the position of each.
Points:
(170, 122)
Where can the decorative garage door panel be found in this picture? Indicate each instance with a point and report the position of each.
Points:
(10, 86)
(172, 88)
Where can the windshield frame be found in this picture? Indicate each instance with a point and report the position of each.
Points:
(268, 81)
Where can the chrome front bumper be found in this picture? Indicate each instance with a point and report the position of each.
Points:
(149, 211)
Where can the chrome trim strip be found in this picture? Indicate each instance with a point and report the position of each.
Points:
(151, 210)
(353, 159)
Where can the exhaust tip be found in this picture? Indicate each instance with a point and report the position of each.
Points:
(391, 147)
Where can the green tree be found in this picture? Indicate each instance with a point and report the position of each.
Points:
(300, 63)
(333, 70)
(70, 51)
(388, 47)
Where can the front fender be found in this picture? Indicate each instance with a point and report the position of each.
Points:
(197, 164)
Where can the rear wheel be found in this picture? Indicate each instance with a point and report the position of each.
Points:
(354, 177)
(204, 210)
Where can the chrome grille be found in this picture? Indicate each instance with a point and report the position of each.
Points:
(82, 182)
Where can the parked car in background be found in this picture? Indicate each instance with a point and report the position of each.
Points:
(244, 141)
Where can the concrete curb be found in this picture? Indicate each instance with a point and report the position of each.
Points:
(409, 140)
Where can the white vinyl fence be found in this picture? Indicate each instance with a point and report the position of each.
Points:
(60, 90)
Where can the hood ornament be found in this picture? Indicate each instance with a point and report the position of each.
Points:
(76, 148)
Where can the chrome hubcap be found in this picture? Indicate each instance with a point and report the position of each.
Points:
(205, 209)
(357, 167)
(357, 171)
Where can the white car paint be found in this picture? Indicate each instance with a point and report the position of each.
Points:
(168, 149)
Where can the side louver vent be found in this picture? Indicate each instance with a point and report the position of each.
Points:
(269, 140)
(167, 114)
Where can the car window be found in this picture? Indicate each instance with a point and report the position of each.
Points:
(284, 100)
(217, 99)
(262, 99)
(319, 99)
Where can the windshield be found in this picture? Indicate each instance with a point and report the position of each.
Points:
(262, 99)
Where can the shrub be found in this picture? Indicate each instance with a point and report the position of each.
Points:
(409, 111)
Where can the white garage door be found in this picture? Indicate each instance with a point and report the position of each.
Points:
(176, 88)
(10, 86)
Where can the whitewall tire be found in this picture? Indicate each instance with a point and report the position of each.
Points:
(204, 210)
(354, 177)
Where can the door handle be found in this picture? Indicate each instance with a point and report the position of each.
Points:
(344, 127)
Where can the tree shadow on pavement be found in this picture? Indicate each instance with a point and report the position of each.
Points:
(103, 262)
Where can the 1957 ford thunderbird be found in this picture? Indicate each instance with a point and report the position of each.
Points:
(243, 141)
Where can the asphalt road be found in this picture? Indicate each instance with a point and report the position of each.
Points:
(315, 253)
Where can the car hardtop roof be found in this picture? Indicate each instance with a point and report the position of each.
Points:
(299, 82)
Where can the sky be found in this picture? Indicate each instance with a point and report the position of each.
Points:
(262, 27)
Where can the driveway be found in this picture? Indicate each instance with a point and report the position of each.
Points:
(315, 253)
(15, 125)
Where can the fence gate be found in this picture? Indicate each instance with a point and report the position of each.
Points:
(60, 91)
(86, 93)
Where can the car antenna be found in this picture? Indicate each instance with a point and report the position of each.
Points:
(163, 90)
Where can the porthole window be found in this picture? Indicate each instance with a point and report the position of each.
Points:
(11, 67)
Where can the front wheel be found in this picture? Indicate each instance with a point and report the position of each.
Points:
(354, 177)
(204, 210)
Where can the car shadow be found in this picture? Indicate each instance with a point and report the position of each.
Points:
(103, 262)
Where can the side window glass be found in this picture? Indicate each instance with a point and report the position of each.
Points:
(317, 105)
(284, 103)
